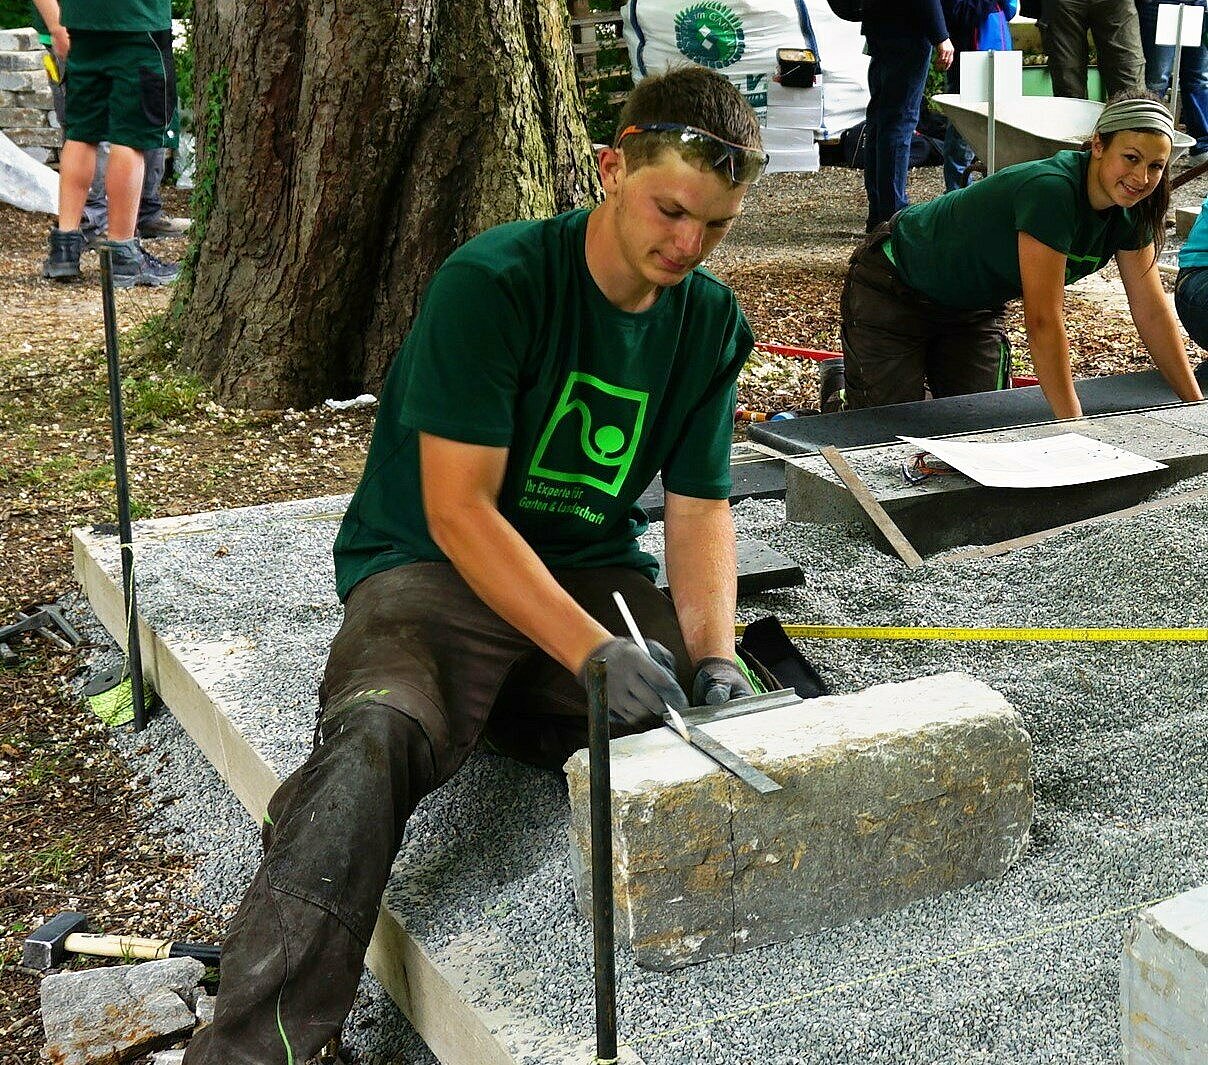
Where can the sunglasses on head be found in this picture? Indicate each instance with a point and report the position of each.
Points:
(743, 165)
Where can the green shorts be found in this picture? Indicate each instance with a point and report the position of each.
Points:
(120, 87)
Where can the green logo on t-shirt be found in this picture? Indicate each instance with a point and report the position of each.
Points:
(593, 434)
(710, 34)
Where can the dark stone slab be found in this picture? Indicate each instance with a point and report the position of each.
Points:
(753, 475)
(964, 414)
(760, 569)
(950, 511)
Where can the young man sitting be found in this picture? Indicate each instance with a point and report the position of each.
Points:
(554, 368)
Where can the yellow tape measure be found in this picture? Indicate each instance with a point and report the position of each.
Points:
(1015, 635)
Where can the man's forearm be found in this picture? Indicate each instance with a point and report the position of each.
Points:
(701, 573)
(506, 574)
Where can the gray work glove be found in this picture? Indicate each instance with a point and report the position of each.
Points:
(638, 683)
(718, 680)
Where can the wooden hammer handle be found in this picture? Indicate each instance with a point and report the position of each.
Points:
(118, 946)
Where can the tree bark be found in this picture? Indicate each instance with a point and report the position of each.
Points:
(358, 144)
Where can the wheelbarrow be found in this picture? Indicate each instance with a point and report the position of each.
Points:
(1031, 127)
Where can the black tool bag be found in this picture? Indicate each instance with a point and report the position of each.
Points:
(766, 649)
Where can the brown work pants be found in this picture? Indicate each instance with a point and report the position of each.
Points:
(419, 670)
(898, 345)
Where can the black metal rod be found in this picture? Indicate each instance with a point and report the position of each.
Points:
(601, 863)
(125, 540)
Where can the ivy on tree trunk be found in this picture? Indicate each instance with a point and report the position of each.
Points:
(354, 147)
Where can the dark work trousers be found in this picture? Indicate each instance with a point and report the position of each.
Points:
(1117, 34)
(898, 344)
(897, 72)
(418, 671)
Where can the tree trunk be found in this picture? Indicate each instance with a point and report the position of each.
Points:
(354, 146)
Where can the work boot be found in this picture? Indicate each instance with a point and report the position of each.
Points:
(163, 225)
(63, 262)
(831, 391)
(132, 265)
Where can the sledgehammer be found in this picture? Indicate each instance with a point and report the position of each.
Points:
(67, 934)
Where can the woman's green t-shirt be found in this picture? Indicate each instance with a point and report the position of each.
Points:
(962, 249)
(515, 346)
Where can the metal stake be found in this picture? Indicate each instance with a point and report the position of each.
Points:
(125, 539)
(601, 864)
(991, 131)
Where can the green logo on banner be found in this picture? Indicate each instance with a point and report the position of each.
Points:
(592, 435)
(710, 34)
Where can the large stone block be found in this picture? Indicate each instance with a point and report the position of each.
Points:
(19, 117)
(39, 137)
(1164, 983)
(889, 795)
(22, 80)
(118, 1013)
(21, 60)
(23, 40)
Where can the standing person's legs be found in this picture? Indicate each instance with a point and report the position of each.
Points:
(410, 681)
(885, 337)
(150, 205)
(77, 162)
(123, 186)
(903, 63)
(1193, 80)
(876, 88)
(1117, 35)
(1064, 38)
(1159, 58)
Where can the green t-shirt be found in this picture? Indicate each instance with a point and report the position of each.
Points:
(116, 16)
(514, 346)
(962, 249)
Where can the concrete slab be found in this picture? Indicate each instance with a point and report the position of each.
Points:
(889, 795)
(963, 414)
(947, 511)
(760, 568)
(1164, 983)
(753, 475)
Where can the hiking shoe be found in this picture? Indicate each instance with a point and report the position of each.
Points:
(63, 262)
(132, 265)
(831, 391)
(163, 225)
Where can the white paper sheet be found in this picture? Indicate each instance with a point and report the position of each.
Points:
(1070, 458)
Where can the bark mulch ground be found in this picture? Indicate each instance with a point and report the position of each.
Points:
(76, 830)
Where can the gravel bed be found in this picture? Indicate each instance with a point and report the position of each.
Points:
(1121, 768)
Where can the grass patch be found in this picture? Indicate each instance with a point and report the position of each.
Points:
(161, 397)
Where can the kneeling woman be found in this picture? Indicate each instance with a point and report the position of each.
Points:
(923, 301)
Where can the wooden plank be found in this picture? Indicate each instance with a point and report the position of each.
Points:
(1018, 542)
(872, 508)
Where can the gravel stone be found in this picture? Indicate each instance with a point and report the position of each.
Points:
(1020, 971)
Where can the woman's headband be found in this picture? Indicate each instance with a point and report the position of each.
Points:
(1147, 116)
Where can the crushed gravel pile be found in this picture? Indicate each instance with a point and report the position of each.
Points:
(1015, 972)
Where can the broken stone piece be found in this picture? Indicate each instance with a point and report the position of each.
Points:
(1164, 983)
(892, 794)
(204, 1009)
(115, 1014)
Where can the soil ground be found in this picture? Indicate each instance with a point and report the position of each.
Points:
(75, 826)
